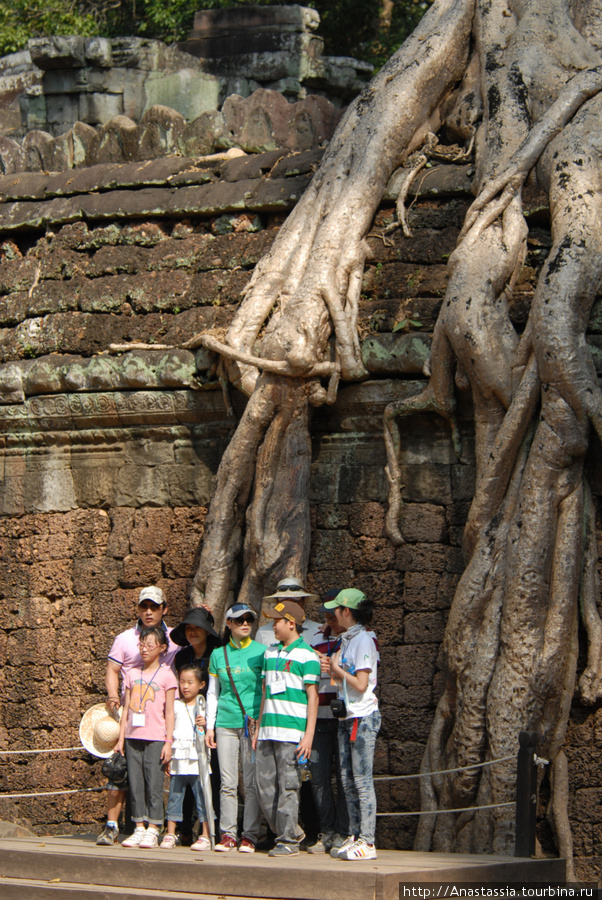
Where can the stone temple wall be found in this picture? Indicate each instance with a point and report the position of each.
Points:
(107, 458)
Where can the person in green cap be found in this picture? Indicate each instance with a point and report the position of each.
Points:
(354, 668)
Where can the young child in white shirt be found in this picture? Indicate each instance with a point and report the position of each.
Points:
(184, 766)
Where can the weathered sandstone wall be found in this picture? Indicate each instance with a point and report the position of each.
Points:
(107, 459)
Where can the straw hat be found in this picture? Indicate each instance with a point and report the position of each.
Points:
(99, 731)
(291, 589)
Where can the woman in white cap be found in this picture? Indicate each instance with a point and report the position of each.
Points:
(233, 702)
(354, 667)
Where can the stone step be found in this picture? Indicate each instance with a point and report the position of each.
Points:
(30, 889)
(75, 867)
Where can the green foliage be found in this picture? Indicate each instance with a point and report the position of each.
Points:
(349, 27)
(407, 325)
(21, 20)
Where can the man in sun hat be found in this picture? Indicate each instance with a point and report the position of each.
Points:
(287, 720)
(123, 656)
(290, 589)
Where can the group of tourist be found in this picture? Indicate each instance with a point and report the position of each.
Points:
(285, 706)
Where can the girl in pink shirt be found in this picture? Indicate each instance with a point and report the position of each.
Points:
(146, 734)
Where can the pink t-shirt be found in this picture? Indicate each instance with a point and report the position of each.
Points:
(126, 653)
(146, 715)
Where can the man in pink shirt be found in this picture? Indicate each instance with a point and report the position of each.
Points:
(123, 656)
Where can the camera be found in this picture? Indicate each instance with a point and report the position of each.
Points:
(338, 708)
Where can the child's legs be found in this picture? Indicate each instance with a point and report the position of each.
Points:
(175, 802)
(154, 779)
(362, 760)
(349, 789)
(134, 754)
(252, 812)
(227, 740)
(289, 785)
(197, 790)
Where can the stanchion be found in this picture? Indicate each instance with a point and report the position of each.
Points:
(526, 794)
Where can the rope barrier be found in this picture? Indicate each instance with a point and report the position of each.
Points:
(489, 762)
(438, 812)
(41, 750)
(54, 793)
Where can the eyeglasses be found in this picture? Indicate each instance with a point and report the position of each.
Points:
(244, 620)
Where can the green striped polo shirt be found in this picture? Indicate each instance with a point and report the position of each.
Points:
(285, 713)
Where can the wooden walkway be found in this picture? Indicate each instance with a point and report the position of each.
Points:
(74, 868)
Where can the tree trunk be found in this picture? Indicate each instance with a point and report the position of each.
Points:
(522, 79)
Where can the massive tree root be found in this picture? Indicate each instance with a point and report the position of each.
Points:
(523, 80)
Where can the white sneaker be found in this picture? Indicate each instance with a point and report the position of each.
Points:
(349, 842)
(135, 839)
(150, 841)
(359, 850)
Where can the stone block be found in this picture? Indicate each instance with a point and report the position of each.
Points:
(198, 138)
(151, 532)
(32, 150)
(417, 664)
(140, 570)
(58, 153)
(134, 52)
(98, 108)
(331, 549)
(188, 91)
(429, 558)
(210, 23)
(9, 155)
(49, 481)
(141, 486)
(160, 131)
(115, 142)
(423, 522)
(91, 575)
(463, 482)
(62, 109)
(427, 483)
(387, 622)
(122, 521)
(424, 627)
(95, 476)
(134, 96)
(57, 52)
(331, 516)
(384, 588)
(405, 757)
(98, 52)
(181, 557)
(367, 519)
(372, 554)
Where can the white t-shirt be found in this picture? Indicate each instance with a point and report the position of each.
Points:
(265, 634)
(184, 755)
(358, 652)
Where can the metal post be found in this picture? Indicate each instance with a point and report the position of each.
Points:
(526, 794)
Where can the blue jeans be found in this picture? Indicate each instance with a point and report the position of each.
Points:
(325, 752)
(357, 760)
(177, 787)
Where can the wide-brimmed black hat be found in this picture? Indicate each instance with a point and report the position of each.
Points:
(199, 617)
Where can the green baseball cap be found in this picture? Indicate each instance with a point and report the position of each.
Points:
(350, 597)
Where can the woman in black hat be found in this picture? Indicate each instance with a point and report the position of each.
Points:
(197, 637)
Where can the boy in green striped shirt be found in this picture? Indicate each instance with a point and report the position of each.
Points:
(287, 721)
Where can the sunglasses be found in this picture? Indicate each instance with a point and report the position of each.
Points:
(244, 620)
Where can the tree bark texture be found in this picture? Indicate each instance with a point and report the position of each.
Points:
(520, 79)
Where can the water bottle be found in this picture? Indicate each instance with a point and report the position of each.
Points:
(304, 770)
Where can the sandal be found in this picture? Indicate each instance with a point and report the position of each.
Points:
(169, 842)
